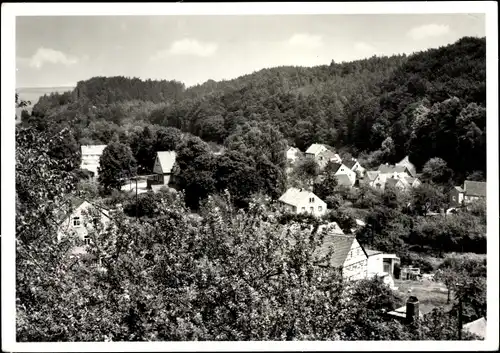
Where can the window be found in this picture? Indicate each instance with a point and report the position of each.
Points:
(303, 209)
(312, 209)
(320, 208)
(86, 239)
(311, 199)
(76, 221)
(341, 169)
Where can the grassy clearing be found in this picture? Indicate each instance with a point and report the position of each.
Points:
(430, 294)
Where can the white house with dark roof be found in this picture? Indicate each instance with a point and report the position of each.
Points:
(297, 201)
(405, 162)
(354, 165)
(81, 217)
(345, 253)
(164, 163)
(471, 191)
(341, 169)
(395, 183)
(315, 149)
(327, 156)
(91, 155)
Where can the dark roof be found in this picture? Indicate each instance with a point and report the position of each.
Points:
(335, 166)
(341, 244)
(349, 163)
(392, 181)
(475, 188)
(386, 168)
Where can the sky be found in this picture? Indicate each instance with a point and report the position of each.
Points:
(60, 51)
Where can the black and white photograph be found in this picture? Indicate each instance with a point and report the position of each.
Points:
(249, 176)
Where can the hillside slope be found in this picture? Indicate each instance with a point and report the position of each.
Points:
(429, 104)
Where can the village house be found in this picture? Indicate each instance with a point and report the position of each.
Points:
(471, 191)
(369, 178)
(341, 169)
(344, 180)
(393, 171)
(354, 165)
(348, 255)
(91, 155)
(163, 166)
(405, 162)
(82, 217)
(395, 183)
(385, 172)
(302, 201)
(315, 149)
(292, 154)
(327, 156)
(382, 265)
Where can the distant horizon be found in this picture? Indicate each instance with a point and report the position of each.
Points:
(73, 85)
(196, 49)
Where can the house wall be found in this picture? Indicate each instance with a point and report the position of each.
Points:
(356, 264)
(455, 198)
(376, 263)
(319, 207)
(469, 199)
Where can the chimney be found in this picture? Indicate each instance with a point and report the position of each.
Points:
(412, 309)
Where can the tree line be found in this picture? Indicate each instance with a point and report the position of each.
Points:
(429, 104)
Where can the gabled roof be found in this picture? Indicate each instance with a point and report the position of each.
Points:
(295, 197)
(76, 202)
(459, 188)
(315, 148)
(371, 175)
(405, 161)
(344, 180)
(167, 160)
(475, 188)
(477, 327)
(387, 168)
(341, 244)
(92, 149)
(328, 154)
(293, 149)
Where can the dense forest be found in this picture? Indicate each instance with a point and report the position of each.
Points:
(429, 104)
